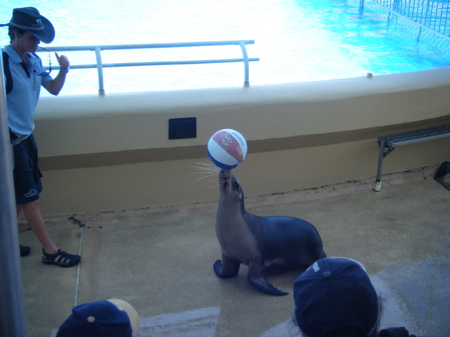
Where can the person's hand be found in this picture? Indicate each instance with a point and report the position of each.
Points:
(63, 62)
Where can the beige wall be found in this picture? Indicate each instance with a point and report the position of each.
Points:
(101, 153)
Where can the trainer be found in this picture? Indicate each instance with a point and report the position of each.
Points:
(25, 74)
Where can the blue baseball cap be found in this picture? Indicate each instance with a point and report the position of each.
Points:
(335, 293)
(100, 319)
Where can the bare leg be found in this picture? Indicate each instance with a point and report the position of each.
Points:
(34, 217)
(52, 255)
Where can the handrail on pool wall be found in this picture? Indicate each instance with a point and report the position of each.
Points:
(100, 65)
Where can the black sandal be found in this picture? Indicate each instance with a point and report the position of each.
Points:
(61, 258)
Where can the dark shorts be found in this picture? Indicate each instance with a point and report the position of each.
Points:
(27, 177)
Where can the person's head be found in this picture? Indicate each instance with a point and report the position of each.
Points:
(28, 22)
(111, 318)
(335, 298)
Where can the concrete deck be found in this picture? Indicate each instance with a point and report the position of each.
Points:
(160, 260)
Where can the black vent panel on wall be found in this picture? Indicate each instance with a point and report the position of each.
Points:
(182, 128)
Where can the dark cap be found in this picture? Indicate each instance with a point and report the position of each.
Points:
(111, 318)
(335, 293)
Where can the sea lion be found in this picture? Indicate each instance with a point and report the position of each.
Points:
(264, 243)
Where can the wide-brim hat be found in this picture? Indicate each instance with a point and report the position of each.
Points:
(335, 293)
(30, 20)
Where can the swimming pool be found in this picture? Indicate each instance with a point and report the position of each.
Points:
(296, 40)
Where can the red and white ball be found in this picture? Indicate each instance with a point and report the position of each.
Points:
(227, 148)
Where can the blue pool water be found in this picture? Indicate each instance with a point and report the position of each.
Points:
(296, 40)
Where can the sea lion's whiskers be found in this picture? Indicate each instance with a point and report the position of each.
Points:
(206, 170)
(215, 185)
(204, 176)
(206, 167)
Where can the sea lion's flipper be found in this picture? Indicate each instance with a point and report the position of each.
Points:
(226, 268)
(257, 279)
(263, 285)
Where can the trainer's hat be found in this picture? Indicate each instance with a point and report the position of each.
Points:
(30, 20)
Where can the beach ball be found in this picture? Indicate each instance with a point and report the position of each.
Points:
(227, 148)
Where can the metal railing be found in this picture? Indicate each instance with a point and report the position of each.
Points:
(430, 14)
(100, 65)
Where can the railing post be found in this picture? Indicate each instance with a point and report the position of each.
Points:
(98, 56)
(246, 67)
(12, 312)
(361, 7)
(396, 5)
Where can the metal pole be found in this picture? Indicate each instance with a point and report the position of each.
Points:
(12, 313)
(98, 55)
(381, 144)
(245, 57)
